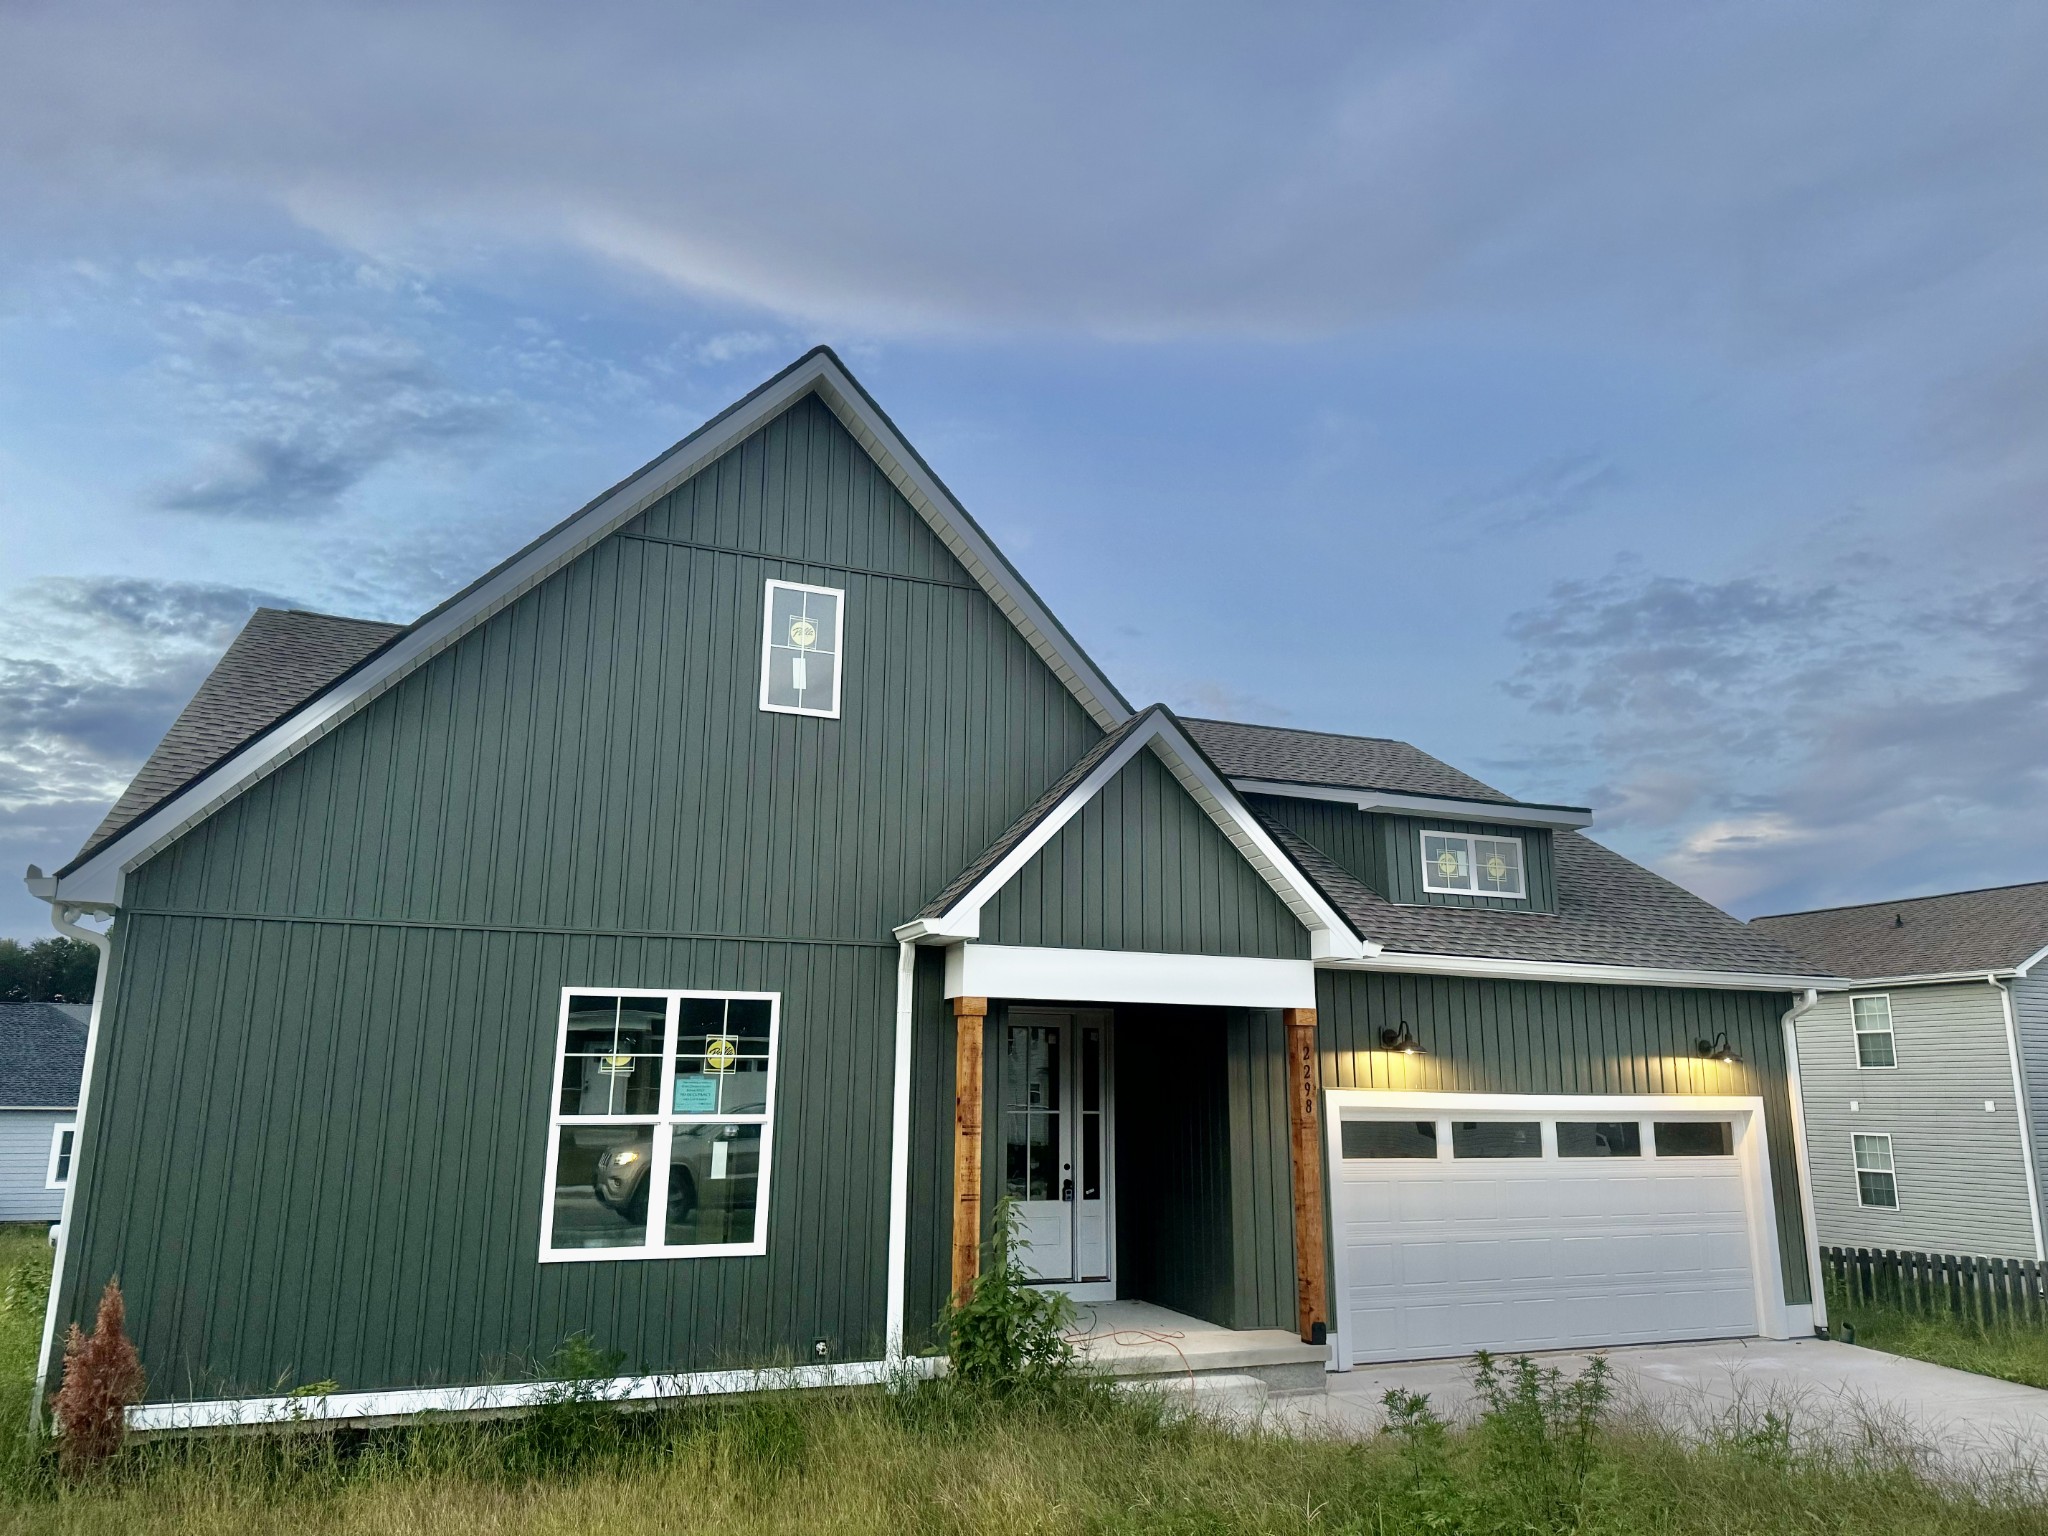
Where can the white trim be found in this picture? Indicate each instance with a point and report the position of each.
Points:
(97, 882)
(2030, 962)
(60, 1152)
(1330, 936)
(1607, 975)
(837, 653)
(1891, 1171)
(1472, 840)
(1127, 976)
(899, 1152)
(1496, 812)
(1809, 1209)
(1917, 979)
(657, 1124)
(403, 1403)
(1857, 1031)
(1774, 1319)
(2021, 1104)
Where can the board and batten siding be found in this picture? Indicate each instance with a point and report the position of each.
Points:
(1488, 1036)
(1141, 866)
(1961, 1173)
(321, 1112)
(1384, 852)
(25, 1164)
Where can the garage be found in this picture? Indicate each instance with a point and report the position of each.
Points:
(1522, 1223)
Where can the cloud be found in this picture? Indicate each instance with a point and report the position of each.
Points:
(1551, 492)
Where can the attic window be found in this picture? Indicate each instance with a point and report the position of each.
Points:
(800, 649)
(1456, 864)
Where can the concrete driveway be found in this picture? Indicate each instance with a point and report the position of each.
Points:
(1948, 1422)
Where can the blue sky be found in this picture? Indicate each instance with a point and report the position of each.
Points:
(1637, 406)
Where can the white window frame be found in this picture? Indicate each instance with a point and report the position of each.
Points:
(1472, 840)
(1890, 1030)
(1857, 1170)
(661, 1122)
(838, 647)
(59, 1152)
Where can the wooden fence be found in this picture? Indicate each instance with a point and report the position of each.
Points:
(1980, 1290)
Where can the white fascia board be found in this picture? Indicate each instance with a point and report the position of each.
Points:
(97, 883)
(1919, 979)
(1128, 976)
(1608, 975)
(2025, 966)
(226, 1413)
(1566, 816)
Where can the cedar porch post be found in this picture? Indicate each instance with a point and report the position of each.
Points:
(968, 1014)
(1305, 1156)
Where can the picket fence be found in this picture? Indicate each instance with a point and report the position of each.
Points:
(1982, 1290)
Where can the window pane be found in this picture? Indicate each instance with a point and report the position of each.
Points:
(1447, 862)
(1873, 1012)
(1696, 1138)
(1497, 865)
(1874, 1153)
(803, 671)
(1875, 1050)
(601, 1186)
(1387, 1138)
(1878, 1189)
(714, 1178)
(611, 1064)
(1496, 1138)
(1599, 1138)
(721, 1057)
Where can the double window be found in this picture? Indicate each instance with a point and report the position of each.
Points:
(1872, 1018)
(800, 645)
(1877, 1182)
(63, 1138)
(663, 1113)
(1456, 863)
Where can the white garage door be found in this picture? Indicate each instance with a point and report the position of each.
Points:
(1460, 1228)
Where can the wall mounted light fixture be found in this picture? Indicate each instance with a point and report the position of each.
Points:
(1401, 1040)
(1719, 1049)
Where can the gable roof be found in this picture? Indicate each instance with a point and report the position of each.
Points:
(94, 877)
(955, 913)
(1999, 929)
(42, 1055)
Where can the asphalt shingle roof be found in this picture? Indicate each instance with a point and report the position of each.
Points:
(282, 658)
(1341, 762)
(1992, 930)
(42, 1054)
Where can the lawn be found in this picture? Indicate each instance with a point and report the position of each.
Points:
(1078, 1457)
(2009, 1351)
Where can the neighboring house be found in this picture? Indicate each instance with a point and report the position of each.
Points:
(42, 1055)
(1926, 1083)
(691, 929)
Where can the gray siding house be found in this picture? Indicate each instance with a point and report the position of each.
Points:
(42, 1055)
(689, 931)
(1925, 1084)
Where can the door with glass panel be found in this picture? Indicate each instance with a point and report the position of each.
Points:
(1054, 1098)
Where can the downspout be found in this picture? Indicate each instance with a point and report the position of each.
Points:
(2023, 1107)
(899, 1153)
(64, 919)
(1809, 1214)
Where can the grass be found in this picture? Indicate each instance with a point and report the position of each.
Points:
(2011, 1351)
(1075, 1457)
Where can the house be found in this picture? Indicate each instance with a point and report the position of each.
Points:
(42, 1054)
(689, 931)
(1926, 1083)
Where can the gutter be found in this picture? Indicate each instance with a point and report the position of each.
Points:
(899, 1155)
(2023, 1108)
(1809, 1213)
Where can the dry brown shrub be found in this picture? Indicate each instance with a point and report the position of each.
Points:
(102, 1376)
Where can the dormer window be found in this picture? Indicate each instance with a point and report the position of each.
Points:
(800, 649)
(1454, 863)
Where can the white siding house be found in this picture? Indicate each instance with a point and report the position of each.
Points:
(42, 1056)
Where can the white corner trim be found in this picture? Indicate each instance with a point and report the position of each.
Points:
(2021, 1103)
(1816, 1276)
(1606, 975)
(1127, 976)
(899, 1153)
(1496, 812)
(96, 882)
(224, 1413)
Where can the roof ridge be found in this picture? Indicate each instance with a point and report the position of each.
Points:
(339, 618)
(1900, 901)
(1303, 730)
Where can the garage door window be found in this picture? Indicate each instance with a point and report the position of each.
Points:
(1388, 1138)
(1599, 1138)
(1496, 1138)
(1695, 1138)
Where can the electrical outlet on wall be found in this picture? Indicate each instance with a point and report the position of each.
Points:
(821, 1349)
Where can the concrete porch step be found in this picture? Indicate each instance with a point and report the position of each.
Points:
(1139, 1341)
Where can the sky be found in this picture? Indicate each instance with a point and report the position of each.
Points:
(1639, 407)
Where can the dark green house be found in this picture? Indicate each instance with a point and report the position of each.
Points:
(687, 932)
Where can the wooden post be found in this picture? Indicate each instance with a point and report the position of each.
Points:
(1305, 1155)
(969, 1014)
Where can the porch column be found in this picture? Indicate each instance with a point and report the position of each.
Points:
(1305, 1156)
(969, 1014)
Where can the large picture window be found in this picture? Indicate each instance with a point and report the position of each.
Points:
(800, 649)
(1453, 863)
(660, 1135)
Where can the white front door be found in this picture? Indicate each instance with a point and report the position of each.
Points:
(1056, 1152)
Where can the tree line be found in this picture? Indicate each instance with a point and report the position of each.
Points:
(52, 970)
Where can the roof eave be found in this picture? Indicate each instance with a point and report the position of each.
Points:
(1506, 812)
(1580, 971)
